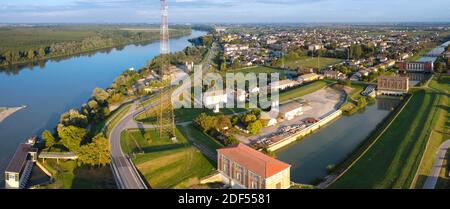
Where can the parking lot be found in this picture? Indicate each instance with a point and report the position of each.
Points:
(316, 105)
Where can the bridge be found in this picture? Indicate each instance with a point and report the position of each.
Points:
(58, 155)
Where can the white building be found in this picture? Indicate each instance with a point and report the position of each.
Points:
(19, 169)
(214, 98)
(291, 110)
(284, 84)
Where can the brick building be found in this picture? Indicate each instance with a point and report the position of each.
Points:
(426, 67)
(242, 167)
(393, 85)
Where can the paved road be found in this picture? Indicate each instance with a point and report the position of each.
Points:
(125, 173)
(433, 176)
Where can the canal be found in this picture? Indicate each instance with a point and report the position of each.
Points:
(55, 87)
(332, 144)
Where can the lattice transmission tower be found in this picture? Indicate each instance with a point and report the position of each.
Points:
(166, 117)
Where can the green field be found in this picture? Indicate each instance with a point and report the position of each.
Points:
(67, 175)
(163, 163)
(393, 160)
(440, 133)
(296, 93)
(209, 142)
(262, 69)
(312, 62)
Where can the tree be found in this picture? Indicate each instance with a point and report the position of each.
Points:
(73, 118)
(205, 122)
(95, 153)
(230, 141)
(100, 95)
(71, 137)
(41, 52)
(440, 67)
(249, 118)
(223, 122)
(236, 64)
(268, 152)
(30, 54)
(47, 136)
(255, 127)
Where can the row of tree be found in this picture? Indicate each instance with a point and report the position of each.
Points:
(102, 39)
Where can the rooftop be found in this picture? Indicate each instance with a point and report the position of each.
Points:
(20, 158)
(253, 160)
(290, 107)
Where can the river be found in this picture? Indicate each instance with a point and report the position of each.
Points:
(59, 85)
(332, 144)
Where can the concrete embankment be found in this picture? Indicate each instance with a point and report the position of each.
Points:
(290, 139)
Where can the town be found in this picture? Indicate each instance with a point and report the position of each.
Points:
(326, 73)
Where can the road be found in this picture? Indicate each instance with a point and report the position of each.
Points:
(438, 164)
(125, 173)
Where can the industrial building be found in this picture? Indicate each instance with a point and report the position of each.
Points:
(242, 167)
(393, 85)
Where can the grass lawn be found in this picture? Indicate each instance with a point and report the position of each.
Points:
(70, 176)
(202, 138)
(262, 69)
(166, 164)
(440, 130)
(184, 115)
(393, 160)
(304, 90)
(311, 62)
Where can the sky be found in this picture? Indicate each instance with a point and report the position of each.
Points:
(224, 11)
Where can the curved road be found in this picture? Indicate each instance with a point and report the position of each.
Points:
(124, 171)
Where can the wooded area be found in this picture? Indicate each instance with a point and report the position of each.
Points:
(26, 44)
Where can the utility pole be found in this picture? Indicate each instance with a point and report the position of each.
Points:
(166, 117)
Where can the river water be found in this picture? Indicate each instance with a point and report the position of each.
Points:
(332, 144)
(51, 89)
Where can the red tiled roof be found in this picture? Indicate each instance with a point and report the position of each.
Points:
(253, 160)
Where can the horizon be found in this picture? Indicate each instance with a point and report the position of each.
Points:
(225, 11)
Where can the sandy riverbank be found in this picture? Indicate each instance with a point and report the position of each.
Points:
(7, 111)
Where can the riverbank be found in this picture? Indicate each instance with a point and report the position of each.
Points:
(6, 111)
(59, 89)
(179, 34)
(393, 157)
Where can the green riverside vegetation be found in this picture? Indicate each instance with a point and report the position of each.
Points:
(26, 44)
(393, 160)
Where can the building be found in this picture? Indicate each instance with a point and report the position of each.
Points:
(220, 29)
(19, 168)
(271, 121)
(308, 77)
(284, 84)
(212, 98)
(242, 167)
(335, 75)
(271, 41)
(291, 110)
(393, 85)
(229, 48)
(238, 95)
(314, 47)
(425, 67)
